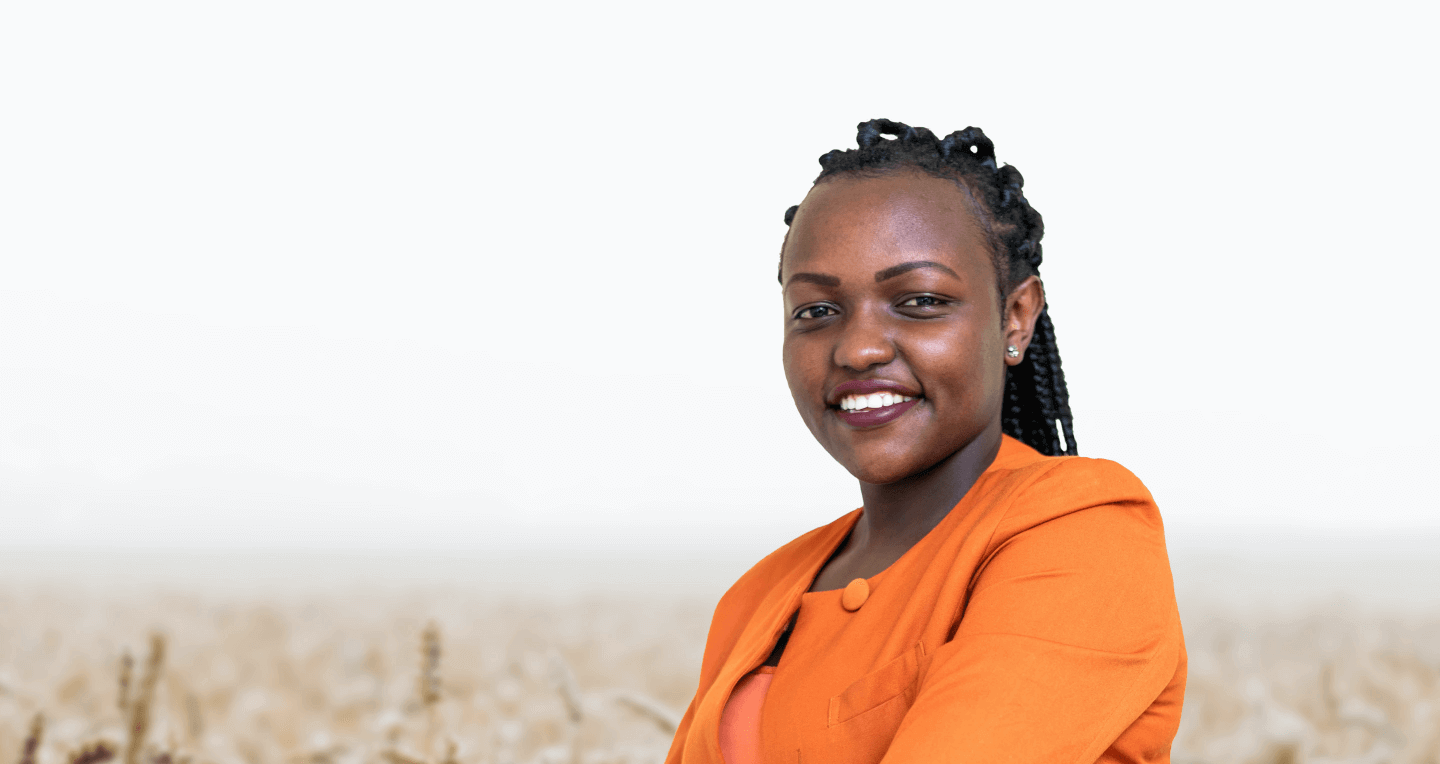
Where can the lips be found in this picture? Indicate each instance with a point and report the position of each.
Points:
(871, 402)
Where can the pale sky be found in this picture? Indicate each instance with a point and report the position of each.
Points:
(401, 275)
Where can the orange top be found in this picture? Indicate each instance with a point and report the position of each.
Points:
(740, 721)
(1035, 623)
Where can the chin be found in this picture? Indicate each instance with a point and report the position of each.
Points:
(882, 471)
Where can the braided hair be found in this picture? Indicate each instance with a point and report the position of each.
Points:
(1037, 405)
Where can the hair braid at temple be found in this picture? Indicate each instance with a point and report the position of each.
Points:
(1036, 409)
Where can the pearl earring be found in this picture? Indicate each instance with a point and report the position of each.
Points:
(1012, 351)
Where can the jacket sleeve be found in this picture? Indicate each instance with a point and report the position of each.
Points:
(1070, 631)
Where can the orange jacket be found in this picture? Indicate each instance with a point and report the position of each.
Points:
(1035, 623)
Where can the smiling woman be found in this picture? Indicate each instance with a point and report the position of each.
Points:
(997, 597)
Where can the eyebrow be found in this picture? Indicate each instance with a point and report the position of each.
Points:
(896, 270)
(815, 278)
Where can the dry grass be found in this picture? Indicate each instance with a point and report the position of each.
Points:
(395, 678)
(349, 680)
(1332, 685)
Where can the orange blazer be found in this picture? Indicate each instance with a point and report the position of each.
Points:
(1035, 623)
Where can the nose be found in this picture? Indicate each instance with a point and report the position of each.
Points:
(863, 343)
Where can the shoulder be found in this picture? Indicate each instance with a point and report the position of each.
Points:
(1037, 488)
(1078, 556)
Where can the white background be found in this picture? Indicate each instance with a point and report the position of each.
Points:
(437, 275)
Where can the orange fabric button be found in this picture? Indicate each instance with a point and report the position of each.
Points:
(856, 592)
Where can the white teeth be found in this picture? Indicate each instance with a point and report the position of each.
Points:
(872, 401)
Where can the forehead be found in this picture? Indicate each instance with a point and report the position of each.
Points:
(869, 223)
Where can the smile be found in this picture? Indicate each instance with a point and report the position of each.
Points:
(869, 412)
(872, 401)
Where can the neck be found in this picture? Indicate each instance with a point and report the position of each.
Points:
(901, 513)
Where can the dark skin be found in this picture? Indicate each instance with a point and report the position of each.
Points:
(890, 278)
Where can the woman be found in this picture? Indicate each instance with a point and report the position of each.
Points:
(996, 598)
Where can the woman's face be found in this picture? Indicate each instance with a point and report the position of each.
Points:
(894, 348)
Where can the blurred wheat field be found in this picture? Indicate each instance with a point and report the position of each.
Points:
(482, 672)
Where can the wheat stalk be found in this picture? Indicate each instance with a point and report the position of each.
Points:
(430, 681)
(664, 718)
(140, 707)
(430, 664)
(30, 751)
(395, 757)
(93, 753)
(563, 680)
(195, 722)
(127, 664)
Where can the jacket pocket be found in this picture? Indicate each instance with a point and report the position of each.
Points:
(864, 718)
(894, 681)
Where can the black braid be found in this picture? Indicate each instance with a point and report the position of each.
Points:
(1037, 404)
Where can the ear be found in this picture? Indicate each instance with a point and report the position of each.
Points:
(1022, 310)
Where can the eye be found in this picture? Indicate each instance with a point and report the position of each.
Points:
(815, 311)
(923, 301)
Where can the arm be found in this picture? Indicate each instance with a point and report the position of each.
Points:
(1070, 633)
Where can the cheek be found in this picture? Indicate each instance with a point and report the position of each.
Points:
(961, 369)
(805, 371)
(799, 370)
